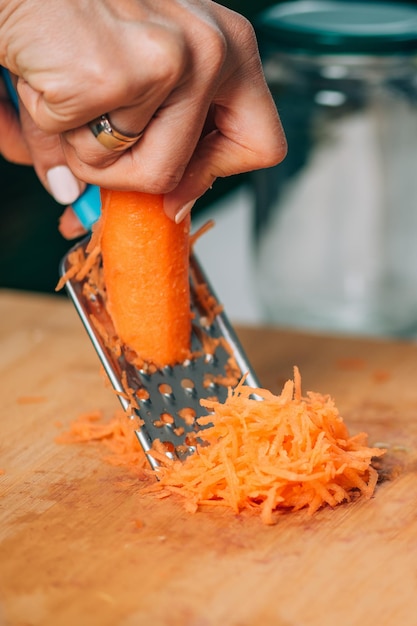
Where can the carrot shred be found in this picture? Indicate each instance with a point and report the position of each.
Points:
(201, 231)
(282, 452)
(207, 301)
(271, 454)
(116, 435)
(31, 399)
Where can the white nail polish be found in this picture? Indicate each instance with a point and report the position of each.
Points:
(182, 213)
(63, 185)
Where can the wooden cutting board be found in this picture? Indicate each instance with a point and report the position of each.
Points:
(79, 544)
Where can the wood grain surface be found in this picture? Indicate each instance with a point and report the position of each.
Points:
(80, 545)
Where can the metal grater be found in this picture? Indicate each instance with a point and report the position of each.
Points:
(165, 396)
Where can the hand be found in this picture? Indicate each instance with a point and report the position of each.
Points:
(188, 72)
(19, 138)
(12, 143)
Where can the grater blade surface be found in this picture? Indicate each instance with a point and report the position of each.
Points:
(166, 402)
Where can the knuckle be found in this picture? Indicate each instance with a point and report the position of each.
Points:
(81, 154)
(242, 34)
(169, 58)
(162, 182)
(217, 49)
(245, 32)
(101, 73)
(214, 44)
(273, 153)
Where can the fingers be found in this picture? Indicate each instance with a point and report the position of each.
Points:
(158, 70)
(155, 164)
(49, 162)
(218, 156)
(187, 73)
(248, 136)
(247, 131)
(12, 144)
(57, 178)
(171, 111)
(86, 154)
(133, 71)
(176, 156)
(69, 225)
(23, 143)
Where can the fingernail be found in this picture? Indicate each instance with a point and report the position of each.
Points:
(182, 213)
(63, 185)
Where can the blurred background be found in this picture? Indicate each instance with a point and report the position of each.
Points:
(241, 268)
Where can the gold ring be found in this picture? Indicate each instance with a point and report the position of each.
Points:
(109, 137)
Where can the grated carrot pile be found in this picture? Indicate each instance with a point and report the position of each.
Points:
(269, 454)
(283, 452)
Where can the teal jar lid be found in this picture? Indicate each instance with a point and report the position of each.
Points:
(339, 27)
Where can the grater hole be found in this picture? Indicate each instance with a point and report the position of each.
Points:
(188, 415)
(168, 447)
(205, 322)
(166, 390)
(142, 394)
(165, 419)
(209, 382)
(190, 439)
(147, 370)
(188, 385)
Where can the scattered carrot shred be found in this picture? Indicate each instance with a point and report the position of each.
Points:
(116, 435)
(264, 452)
(351, 363)
(31, 399)
(207, 301)
(201, 231)
(381, 376)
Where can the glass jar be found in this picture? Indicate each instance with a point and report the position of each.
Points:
(336, 222)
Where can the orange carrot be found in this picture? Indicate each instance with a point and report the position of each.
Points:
(145, 266)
